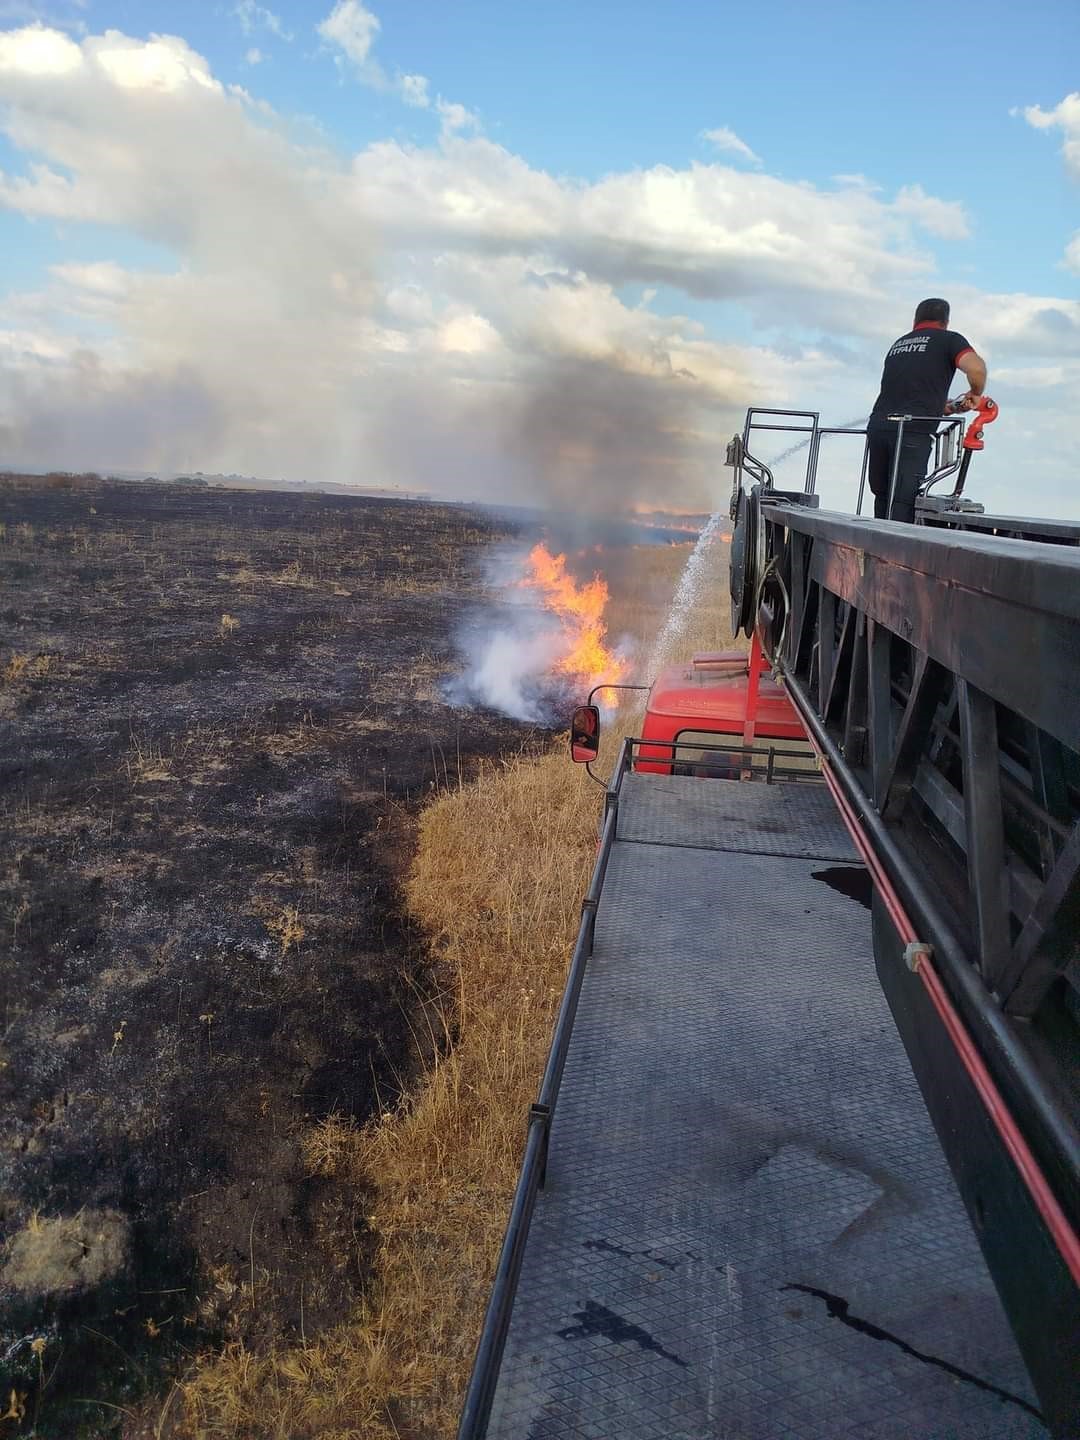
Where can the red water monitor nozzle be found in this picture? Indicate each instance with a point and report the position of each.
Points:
(986, 410)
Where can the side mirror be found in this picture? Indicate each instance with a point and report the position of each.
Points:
(585, 734)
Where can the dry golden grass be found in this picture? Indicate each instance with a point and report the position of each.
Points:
(640, 598)
(25, 667)
(497, 880)
(287, 927)
(145, 762)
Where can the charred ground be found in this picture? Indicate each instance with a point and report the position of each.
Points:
(217, 711)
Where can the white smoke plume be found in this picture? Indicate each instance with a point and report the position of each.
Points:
(511, 647)
(509, 669)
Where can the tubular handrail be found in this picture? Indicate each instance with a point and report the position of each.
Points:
(761, 472)
(489, 1350)
(949, 431)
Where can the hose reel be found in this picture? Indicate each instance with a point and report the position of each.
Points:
(747, 565)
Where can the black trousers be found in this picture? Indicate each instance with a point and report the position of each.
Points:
(914, 454)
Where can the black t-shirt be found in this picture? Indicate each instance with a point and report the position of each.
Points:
(918, 372)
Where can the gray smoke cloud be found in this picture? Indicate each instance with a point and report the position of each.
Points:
(160, 422)
(594, 439)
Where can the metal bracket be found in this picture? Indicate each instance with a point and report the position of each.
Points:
(915, 953)
(540, 1115)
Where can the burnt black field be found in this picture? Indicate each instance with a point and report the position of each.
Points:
(219, 712)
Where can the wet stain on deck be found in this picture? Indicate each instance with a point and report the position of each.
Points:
(599, 1320)
(838, 1309)
(850, 880)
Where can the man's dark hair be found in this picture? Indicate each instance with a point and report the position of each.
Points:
(937, 310)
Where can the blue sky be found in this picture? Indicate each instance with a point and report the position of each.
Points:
(548, 205)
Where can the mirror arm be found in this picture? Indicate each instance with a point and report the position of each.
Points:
(593, 775)
(596, 688)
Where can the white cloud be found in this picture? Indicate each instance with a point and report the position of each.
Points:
(351, 28)
(944, 218)
(455, 116)
(414, 90)
(468, 334)
(709, 230)
(103, 277)
(410, 303)
(255, 17)
(254, 56)
(725, 139)
(442, 316)
(1028, 327)
(1066, 118)
(158, 64)
(858, 181)
(37, 51)
(1030, 377)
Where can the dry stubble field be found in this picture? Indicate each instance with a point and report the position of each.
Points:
(219, 716)
(217, 712)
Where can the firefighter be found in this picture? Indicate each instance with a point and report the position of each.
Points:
(915, 380)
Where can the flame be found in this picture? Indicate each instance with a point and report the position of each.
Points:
(580, 610)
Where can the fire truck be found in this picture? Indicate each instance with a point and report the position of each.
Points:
(805, 1157)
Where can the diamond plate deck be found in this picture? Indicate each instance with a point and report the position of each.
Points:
(796, 818)
(748, 1228)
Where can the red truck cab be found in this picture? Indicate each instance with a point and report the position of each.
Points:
(710, 697)
(709, 714)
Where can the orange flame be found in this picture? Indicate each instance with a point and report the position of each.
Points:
(580, 609)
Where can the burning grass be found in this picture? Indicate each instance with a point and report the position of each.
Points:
(496, 884)
(586, 659)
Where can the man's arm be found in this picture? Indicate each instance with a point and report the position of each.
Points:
(973, 367)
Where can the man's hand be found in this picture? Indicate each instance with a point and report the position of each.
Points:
(961, 402)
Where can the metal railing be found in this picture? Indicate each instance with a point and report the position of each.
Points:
(947, 438)
(813, 429)
(485, 1372)
(943, 511)
(720, 761)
